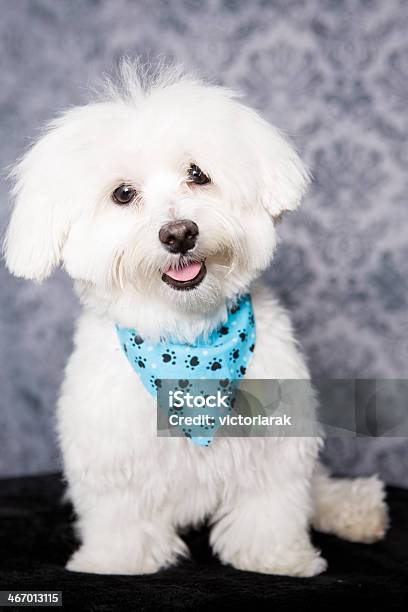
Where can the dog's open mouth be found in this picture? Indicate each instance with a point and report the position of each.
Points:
(187, 277)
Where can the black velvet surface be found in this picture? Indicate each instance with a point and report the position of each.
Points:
(36, 539)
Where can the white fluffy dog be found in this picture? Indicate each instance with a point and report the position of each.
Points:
(95, 193)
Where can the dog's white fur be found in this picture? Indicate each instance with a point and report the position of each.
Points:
(132, 491)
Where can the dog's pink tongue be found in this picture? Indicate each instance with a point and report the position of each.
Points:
(186, 273)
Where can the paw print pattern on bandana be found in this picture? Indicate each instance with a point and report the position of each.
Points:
(234, 355)
(242, 335)
(136, 340)
(155, 382)
(169, 357)
(224, 356)
(192, 362)
(184, 385)
(141, 362)
(215, 364)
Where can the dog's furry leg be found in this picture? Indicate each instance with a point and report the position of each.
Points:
(351, 508)
(118, 538)
(262, 524)
(266, 533)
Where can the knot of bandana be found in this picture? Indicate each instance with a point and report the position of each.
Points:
(224, 356)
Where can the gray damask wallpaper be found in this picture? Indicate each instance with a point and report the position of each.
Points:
(334, 75)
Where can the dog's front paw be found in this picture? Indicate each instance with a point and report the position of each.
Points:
(301, 563)
(101, 562)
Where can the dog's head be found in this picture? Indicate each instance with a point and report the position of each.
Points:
(170, 189)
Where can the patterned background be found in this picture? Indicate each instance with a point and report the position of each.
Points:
(333, 74)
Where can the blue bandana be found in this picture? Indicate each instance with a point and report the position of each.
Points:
(223, 356)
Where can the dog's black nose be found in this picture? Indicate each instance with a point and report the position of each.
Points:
(179, 236)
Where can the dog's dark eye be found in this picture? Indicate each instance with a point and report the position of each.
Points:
(123, 194)
(197, 176)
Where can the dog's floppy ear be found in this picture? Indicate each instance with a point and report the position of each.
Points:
(38, 224)
(282, 176)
